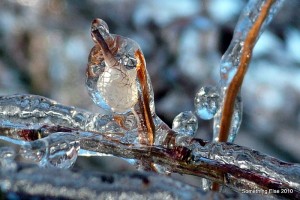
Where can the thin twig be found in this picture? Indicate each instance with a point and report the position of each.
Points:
(145, 103)
(235, 85)
(238, 78)
(183, 160)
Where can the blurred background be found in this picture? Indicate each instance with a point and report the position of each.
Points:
(44, 46)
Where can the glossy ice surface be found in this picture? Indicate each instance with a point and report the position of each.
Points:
(111, 72)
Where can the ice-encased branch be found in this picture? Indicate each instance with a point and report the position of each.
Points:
(228, 164)
(234, 63)
(34, 111)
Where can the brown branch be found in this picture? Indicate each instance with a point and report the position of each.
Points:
(145, 101)
(186, 160)
(181, 160)
(238, 78)
(107, 54)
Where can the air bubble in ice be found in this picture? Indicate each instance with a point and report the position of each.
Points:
(57, 150)
(206, 102)
(185, 123)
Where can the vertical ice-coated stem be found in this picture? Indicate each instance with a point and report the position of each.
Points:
(234, 64)
(145, 103)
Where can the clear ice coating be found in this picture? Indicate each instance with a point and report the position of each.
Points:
(206, 102)
(57, 150)
(231, 59)
(111, 75)
(185, 123)
(31, 111)
(235, 121)
(250, 160)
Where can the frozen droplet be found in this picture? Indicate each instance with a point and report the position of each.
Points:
(7, 156)
(185, 123)
(206, 102)
(57, 150)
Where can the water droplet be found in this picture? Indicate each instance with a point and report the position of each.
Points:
(206, 102)
(185, 123)
(57, 150)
